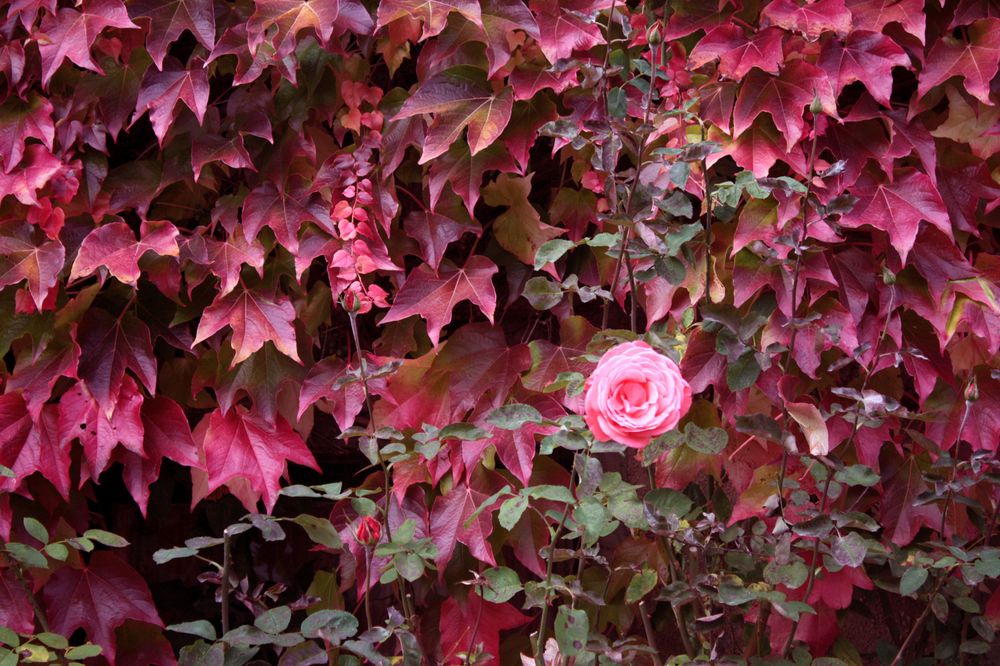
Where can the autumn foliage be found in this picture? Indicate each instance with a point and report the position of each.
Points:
(299, 300)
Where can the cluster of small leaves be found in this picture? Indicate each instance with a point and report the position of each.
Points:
(264, 239)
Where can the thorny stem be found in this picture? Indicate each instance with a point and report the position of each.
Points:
(368, 588)
(951, 481)
(915, 629)
(795, 306)
(227, 544)
(647, 626)
(43, 620)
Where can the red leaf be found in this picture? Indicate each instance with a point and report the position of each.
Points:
(100, 432)
(901, 516)
(207, 148)
(107, 347)
(451, 511)
(254, 318)
(166, 435)
(162, 91)
(811, 19)
(114, 246)
(225, 259)
(36, 170)
(867, 57)
(432, 13)
(435, 232)
(168, 19)
(434, 296)
(737, 53)
(290, 17)
(784, 98)
(874, 15)
(98, 597)
(264, 376)
(465, 625)
(500, 20)
(21, 120)
(15, 608)
(22, 260)
(758, 149)
(69, 34)
(464, 172)
(284, 210)
(241, 447)
(976, 60)
(117, 91)
(562, 32)
(27, 447)
(898, 207)
(459, 97)
(344, 402)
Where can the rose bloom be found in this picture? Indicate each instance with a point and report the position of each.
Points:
(634, 395)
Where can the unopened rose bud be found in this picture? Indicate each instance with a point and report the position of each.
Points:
(352, 302)
(972, 391)
(368, 531)
(654, 36)
(816, 107)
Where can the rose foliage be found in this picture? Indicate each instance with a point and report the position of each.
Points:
(299, 300)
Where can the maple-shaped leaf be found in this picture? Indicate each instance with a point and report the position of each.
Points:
(479, 365)
(69, 34)
(964, 181)
(451, 511)
(976, 60)
(969, 11)
(758, 149)
(21, 260)
(565, 27)
(434, 295)
(519, 229)
(811, 19)
(548, 360)
(738, 53)
(459, 98)
(263, 377)
(433, 14)
(287, 18)
(973, 124)
(330, 381)
(98, 597)
(209, 147)
(99, 432)
(168, 19)
(116, 92)
(15, 608)
(867, 57)
(225, 259)
(874, 15)
(284, 210)
(435, 232)
(517, 449)
(166, 434)
(115, 247)
(464, 625)
(109, 346)
(902, 513)
(783, 97)
(162, 91)
(500, 20)
(240, 446)
(32, 445)
(21, 120)
(897, 208)
(254, 318)
(464, 172)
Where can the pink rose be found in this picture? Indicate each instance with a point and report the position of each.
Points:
(634, 395)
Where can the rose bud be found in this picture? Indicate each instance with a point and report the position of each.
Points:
(368, 531)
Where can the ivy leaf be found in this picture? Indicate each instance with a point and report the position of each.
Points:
(288, 17)
(23, 260)
(21, 120)
(457, 618)
(100, 431)
(168, 19)
(16, 613)
(432, 13)
(69, 34)
(875, 15)
(435, 232)
(897, 208)
(98, 597)
(976, 60)
(115, 247)
(459, 97)
(901, 515)
(452, 511)
(813, 426)
(811, 20)
(240, 447)
(500, 21)
(163, 90)
(738, 53)
(324, 382)
(27, 446)
(564, 27)
(225, 259)
(109, 346)
(254, 318)
(284, 210)
(433, 297)
(783, 97)
(867, 57)
(519, 229)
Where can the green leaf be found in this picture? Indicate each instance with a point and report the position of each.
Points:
(857, 475)
(732, 592)
(711, 441)
(849, 550)
(514, 416)
(486, 503)
(503, 583)
(670, 268)
(106, 538)
(333, 625)
(542, 293)
(593, 517)
(8, 637)
(511, 511)
(792, 575)
(320, 530)
(275, 620)
(36, 529)
(463, 431)
(641, 584)
(551, 251)
(551, 492)
(83, 651)
(164, 555)
(54, 641)
(818, 527)
(200, 628)
(913, 579)
(57, 551)
(617, 103)
(26, 555)
(572, 631)
(743, 372)
(667, 502)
